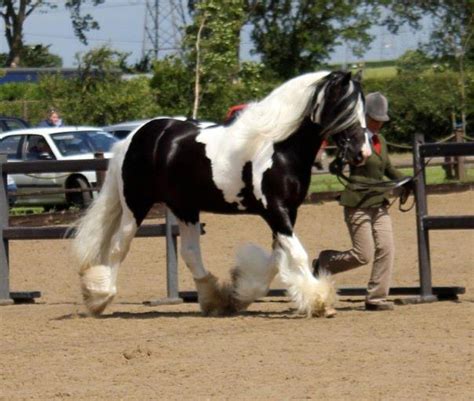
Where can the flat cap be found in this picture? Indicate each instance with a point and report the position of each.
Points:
(376, 106)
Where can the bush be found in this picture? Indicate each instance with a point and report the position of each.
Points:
(419, 101)
(423, 102)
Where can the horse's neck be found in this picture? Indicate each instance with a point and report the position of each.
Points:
(304, 143)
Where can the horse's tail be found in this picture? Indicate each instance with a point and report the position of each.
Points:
(95, 229)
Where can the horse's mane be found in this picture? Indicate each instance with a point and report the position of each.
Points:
(278, 115)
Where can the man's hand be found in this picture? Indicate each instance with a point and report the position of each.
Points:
(406, 190)
(336, 166)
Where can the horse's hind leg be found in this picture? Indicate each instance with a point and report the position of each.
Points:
(215, 299)
(99, 283)
(253, 274)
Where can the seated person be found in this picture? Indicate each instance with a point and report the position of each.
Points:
(39, 149)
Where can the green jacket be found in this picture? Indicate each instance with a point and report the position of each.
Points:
(375, 168)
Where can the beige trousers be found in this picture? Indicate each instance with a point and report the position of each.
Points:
(372, 238)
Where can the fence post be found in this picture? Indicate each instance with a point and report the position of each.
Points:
(460, 168)
(100, 174)
(4, 268)
(424, 265)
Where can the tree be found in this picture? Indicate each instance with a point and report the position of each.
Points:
(39, 56)
(212, 51)
(293, 37)
(413, 62)
(452, 38)
(172, 85)
(452, 22)
(15, 12)
(98, 95)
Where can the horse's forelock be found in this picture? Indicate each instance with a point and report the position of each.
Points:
(342, 109)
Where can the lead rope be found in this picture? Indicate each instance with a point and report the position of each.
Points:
(383, 186)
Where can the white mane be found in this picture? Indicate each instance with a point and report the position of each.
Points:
(253, 135)
(278, 115)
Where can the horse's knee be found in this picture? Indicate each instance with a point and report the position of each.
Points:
(190, 255)
(293, 249)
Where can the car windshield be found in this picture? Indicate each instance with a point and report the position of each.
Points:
(82, 142)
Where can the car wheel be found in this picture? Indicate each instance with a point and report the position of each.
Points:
(81, 199)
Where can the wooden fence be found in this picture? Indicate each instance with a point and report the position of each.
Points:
(425, 292)
(424, 222)
(169, 229)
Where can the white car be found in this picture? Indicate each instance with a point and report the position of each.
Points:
(64, 143)
(121, 130)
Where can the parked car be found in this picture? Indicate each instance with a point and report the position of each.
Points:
(64, 143)
(121, 130)
(11, 123)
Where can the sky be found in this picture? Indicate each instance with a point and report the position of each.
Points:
(122, 27)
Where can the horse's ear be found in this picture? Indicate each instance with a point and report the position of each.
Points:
(346, 78)
(358, 76)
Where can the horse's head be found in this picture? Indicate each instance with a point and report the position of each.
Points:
(338, 107)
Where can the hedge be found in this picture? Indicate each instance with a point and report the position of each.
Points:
(418, 103)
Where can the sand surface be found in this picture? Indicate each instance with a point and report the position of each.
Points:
(51, 350)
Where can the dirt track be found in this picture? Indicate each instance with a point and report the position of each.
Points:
(52, 351)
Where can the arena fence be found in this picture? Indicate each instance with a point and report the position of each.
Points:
(424, 222)
(169, 229)
(424, 293)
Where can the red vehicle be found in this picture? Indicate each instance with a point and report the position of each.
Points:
(233, 112)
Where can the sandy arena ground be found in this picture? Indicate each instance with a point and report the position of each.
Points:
(51, 350)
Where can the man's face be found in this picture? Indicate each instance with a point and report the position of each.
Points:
(373, 125)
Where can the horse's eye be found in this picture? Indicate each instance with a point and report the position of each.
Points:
(342, 140)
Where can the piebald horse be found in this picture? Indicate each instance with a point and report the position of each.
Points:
(259, 164)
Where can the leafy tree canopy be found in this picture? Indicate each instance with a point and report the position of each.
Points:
(452, 23)
(15, 12)
(293, 37)
(212, 51)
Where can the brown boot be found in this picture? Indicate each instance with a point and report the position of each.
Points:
(379, 306)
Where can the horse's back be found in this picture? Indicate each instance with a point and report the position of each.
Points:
(148, 149)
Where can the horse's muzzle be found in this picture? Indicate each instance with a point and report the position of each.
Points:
(363, 155)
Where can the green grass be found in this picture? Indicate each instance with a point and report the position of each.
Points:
(379, 72)
(25, 210)
(434, 175)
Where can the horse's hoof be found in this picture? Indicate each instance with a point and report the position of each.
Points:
(96, 288)
(330, 312)
(96, 302)
(216, 299)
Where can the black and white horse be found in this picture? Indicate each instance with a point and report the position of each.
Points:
(260, 164)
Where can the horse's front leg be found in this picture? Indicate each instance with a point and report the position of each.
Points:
(215, 299)
(313, 296)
